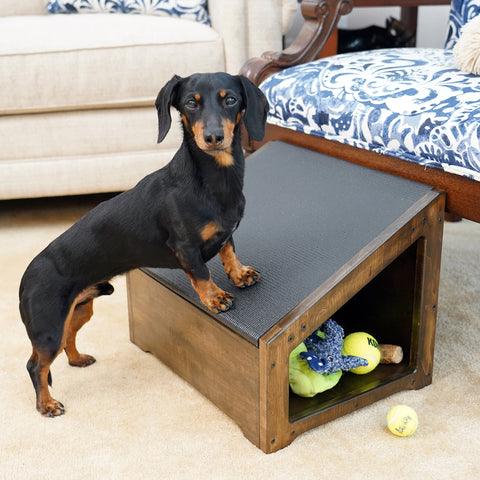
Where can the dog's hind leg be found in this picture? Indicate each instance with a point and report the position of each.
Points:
(38, 367)
(44, 313)
(80, 315)
(51, 325)
(47, 347)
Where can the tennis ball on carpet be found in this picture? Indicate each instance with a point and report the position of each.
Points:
(361, 344)
(402, 420)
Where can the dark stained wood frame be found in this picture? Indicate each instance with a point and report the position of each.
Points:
(321, 18)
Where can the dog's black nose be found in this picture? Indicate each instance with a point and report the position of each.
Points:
(214, 138)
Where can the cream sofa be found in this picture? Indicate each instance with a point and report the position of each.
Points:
(77, 91)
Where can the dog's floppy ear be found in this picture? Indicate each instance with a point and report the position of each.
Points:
(256, 109)
(163, 103)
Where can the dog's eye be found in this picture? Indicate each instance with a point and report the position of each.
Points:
(230, 101)
(191, 103)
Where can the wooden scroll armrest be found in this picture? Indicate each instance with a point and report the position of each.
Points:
(321, 18)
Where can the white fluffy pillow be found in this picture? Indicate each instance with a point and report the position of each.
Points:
(467, 49)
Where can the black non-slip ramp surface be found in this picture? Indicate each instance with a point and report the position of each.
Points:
(307, 216)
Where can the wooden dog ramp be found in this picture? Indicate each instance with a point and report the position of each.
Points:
(331, 240)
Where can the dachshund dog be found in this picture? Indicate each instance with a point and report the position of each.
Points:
(177, 217)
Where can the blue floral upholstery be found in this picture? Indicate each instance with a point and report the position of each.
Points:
(410, 103)
(461, 12)
(187, 9)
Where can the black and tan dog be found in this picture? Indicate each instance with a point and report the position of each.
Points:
(177, 217)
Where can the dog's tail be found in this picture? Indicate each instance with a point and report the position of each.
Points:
(103, 288)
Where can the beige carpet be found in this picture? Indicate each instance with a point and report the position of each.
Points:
(129, 417)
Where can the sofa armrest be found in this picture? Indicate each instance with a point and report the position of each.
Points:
(321, 18)
(250, 27)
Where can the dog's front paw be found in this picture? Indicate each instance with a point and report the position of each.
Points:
(245, 277)
(218, 302)
(213, 297)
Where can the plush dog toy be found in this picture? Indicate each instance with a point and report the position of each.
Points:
(316, 364)
(324, 355)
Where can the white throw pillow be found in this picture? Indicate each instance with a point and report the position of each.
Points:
(467, 49)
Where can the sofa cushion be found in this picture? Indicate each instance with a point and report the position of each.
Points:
(61, 62)
(186, 9)
(83, 133)
(410, 103)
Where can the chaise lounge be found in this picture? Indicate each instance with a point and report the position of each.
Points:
(409, 112)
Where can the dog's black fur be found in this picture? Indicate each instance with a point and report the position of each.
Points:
(177, 217)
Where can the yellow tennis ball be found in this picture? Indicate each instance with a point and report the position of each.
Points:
(361, 344)
(402, 420)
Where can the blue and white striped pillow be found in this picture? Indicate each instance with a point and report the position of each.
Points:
(187, 9)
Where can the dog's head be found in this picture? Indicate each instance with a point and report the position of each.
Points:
(212, 106)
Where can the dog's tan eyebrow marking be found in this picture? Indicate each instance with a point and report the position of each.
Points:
(223, 93)
(197, 97)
